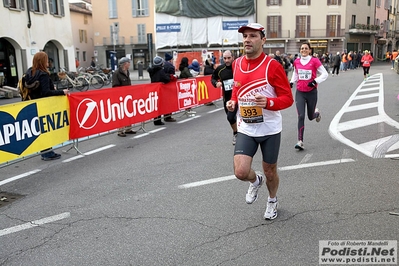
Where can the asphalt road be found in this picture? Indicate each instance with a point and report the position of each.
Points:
(137, 201)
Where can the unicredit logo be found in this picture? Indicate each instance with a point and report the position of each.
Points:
(90, 112)
(87, 114)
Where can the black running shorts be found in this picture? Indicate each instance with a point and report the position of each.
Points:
(269, 145)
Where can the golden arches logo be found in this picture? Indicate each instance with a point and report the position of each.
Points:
(202, 91)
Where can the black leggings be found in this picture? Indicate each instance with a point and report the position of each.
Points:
(303, 100)
(231, 116)
(366, 70)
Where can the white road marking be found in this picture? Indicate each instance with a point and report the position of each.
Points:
(307, 165)
(284, 168)
(87, 153)
(8, 180)
(35, 223)
(99, 149)
(148, 133)
(215, 110)
(73, 158)
(306, 158)
(375, 148)
(189, 119)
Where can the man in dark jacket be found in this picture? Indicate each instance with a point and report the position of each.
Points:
(157, 74)
(121, 77)
(222, 78)
(170, 70)
(336, 64)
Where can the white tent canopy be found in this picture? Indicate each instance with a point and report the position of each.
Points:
(184, 31)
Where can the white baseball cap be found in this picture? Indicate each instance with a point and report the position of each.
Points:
(253, 26)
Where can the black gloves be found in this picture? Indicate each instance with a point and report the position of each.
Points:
(312, 84)
(291, 84)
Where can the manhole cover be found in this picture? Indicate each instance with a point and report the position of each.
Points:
(7, 198)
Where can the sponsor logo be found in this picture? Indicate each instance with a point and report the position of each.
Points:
(17, 134)
(202, 91)
(89, 112)
(187, 93)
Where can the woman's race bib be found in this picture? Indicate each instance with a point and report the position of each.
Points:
(304, 74)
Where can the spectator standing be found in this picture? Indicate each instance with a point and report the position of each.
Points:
(157, 74)
(336, 64)
(393, 57)
(209, 67)
(305, 74)
(183, 68)
(260, 91)
(93, 62)
(194, 68)
(169, 69)
(121, 77)
(40, 75)
(222, 78)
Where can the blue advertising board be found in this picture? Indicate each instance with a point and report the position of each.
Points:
(171, 27)
(234, 25)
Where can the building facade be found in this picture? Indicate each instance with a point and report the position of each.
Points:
(32, 26)
(123, 28)
(82, 32)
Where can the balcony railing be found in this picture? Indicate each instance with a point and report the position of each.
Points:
(322, 33)
(138, 39)
(366, 29)
(284, 34)
(110, 41)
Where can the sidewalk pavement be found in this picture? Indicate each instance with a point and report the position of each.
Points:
(134, 75)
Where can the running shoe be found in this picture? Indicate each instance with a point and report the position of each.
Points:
(318, 117)
(234, 139)
(252, 193)
(300, 146)
(271, 211)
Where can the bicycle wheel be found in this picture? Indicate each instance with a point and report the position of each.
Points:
(81, 84)
(96, 82)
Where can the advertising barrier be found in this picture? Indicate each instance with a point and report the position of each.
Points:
(31, 126)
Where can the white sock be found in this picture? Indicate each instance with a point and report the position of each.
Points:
(256, 183)
(269, 199)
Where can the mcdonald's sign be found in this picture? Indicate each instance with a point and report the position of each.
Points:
(202, 91)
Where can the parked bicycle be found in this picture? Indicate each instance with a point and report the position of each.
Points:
(71, 81)
(95, 80)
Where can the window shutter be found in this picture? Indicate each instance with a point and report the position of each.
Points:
(297, 2)
(44, 6)
(308, 2)
(145, 7)
(280, 2)
(339, 2)
(308, 26)
(279, 26)
(268, 25)
(134, 8)
(22, 4)
(50, 6)
(328, 26)
(328, 2)
(62, 8)
(6, 3)
(268, 3)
